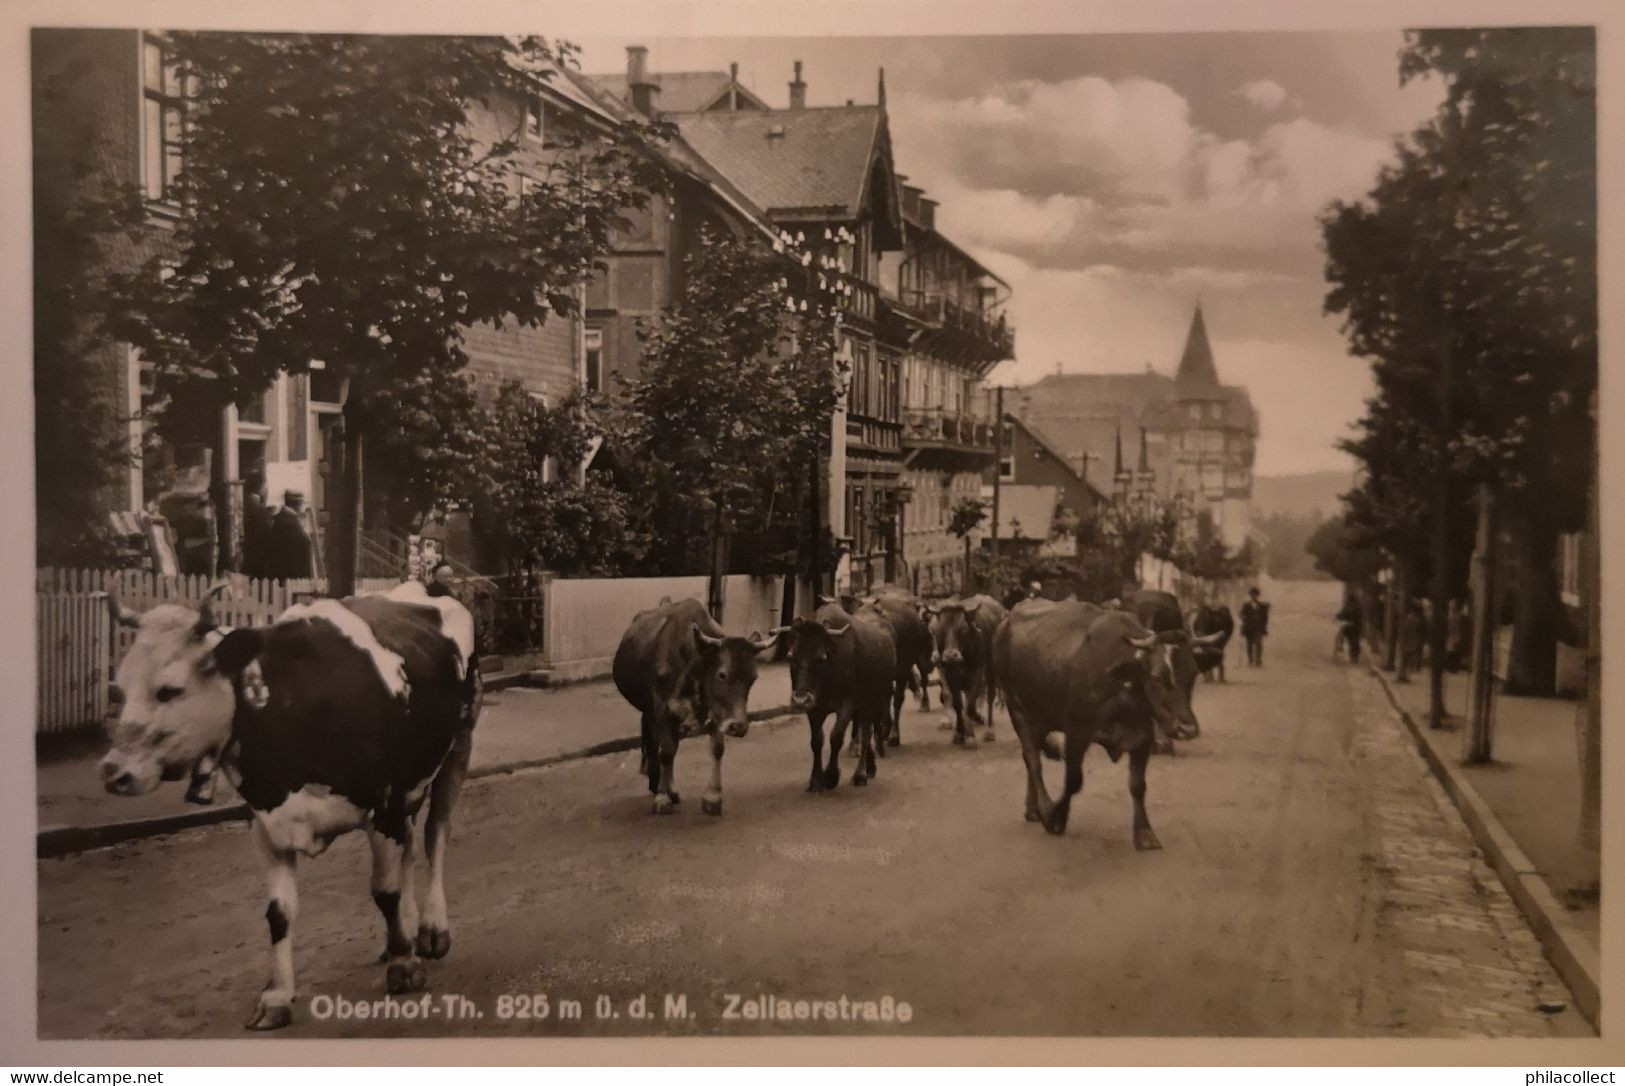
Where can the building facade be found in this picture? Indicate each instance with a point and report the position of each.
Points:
(1188, 437)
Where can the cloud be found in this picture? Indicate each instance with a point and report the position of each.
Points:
(1266, 94)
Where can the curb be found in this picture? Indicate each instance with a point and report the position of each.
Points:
(53, 842)
(1570, 950)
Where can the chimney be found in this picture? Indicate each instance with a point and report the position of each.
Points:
(642, 89)
(881, 90)
(798, 90)
(733, 85)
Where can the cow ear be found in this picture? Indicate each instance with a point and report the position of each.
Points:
(237, 650)
(1128, 672)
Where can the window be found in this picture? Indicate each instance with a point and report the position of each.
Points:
(163, 120)
(593, 361)
(1007, 468)
(1195, 412)
(535, 118)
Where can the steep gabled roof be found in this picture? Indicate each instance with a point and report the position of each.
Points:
(685, 92)
(813, 162)
(1196, 368)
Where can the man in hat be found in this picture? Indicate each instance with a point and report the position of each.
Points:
(1255, 625)
(291, 556)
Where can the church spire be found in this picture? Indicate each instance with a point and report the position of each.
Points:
(1196, 364)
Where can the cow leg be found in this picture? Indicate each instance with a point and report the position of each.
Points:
(978, 687)
(863, 728)
(837, 740)
(1038, 801)
(892, 731)
(1144, 837)
(650, 764)
(665, 798)
(962, 733)
(711, 802)
(815, 725)
(434, 932)
(390, 852)
(1055, 822)
(275, 1008)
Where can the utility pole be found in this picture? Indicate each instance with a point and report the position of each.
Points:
(1591, 730)
(998, 466)
(1481, 688)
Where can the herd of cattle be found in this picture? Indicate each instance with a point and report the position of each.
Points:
(357, 713)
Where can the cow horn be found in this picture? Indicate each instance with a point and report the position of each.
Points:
(205, 613)
(1144, 644)
(120, 615)
(762, 645)
(823, 600)
(704, 638)
(842, 632)
(779, 631)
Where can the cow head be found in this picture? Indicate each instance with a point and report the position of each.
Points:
(177, 703)
(953, 634)
(812, 653)
(723, 675)
(1152, 670)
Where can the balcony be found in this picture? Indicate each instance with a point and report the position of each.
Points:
(981, 336)
(935, 437)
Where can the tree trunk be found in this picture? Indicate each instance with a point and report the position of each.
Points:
(344, 532)
(964, 577)
(1481, 685)
(1402, 641)
(718, 565)
(1536, 608)
(1591, 730)
(815, 522)
(1440, 593)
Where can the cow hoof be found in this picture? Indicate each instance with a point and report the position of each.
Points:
(407, 976)
(959, 739)
(675, 799)
(1055, 824)
(987, 736)
(268, 1016)
(859, 780)
(664, 804)
(945, 724)
(711, 806)
(433, 943)
(832, 777)
(815, 785)
(1032, 816)
(1145, 840)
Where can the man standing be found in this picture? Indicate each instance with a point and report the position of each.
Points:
(1350, 625)
(1255, 626)
(291, 557)
(257, 520)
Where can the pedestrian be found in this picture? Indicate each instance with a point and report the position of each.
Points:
(291, 556)
(1350, 626)
(1416, 636)
(442, 580)
(257, 518)
(1255, 626)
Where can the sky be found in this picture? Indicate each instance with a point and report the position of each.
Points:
(1115, 181)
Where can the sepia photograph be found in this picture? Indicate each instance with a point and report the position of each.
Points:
(598, 532)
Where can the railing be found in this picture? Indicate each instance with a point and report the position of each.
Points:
(951, 427)
(938, 308)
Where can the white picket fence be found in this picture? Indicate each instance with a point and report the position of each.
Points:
(80, 646)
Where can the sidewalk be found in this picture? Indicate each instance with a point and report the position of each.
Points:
(1533, 786)
(518, 728)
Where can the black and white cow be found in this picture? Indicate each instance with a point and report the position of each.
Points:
(340, 715)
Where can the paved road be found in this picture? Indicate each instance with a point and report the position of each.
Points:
(1313, 882)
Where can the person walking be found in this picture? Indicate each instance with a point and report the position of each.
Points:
(257, 520)
(1255, 626)
(1350, 626)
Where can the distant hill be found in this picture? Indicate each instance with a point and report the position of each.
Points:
(1301, 495)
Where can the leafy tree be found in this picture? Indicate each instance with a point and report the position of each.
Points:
(965, 517)
(1468, 275)
(531, 508)
(733, 398)
(338, 201)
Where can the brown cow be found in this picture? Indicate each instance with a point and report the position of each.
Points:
(1095, 676)
(911, 639)
(962, 636)
(685, 676)
(846, 665)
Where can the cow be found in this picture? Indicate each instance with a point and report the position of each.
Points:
(1160, 613)
(962, 640)
(1095, 676)
(911, 640)
(340, 715)
(1212, 618)
(844, 664)
(685, 677)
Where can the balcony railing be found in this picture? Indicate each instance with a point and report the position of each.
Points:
(948, 427)
(937, 308)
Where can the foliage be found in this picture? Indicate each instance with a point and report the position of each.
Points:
(731, 406)
(79, 441)
(1340, 554)
(1285, 558)
(966, 516)
(339, 200)
(530, 506)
